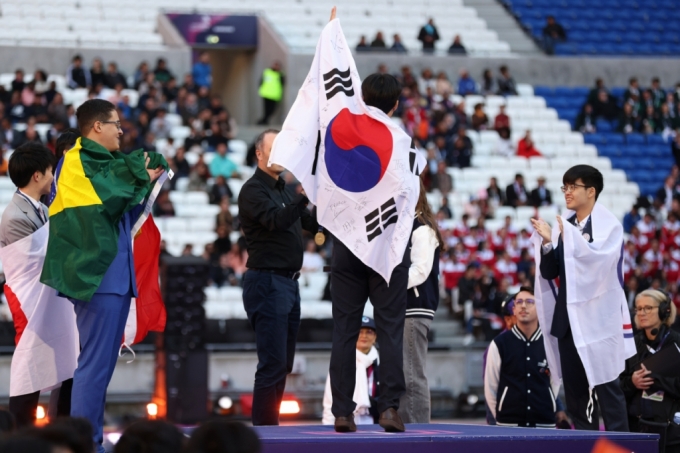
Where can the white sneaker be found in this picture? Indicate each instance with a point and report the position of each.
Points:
(469, 338)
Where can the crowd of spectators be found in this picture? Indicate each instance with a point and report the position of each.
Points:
(651, 110)
(74, 435)
(428, 35)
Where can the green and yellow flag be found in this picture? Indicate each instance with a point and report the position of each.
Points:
(94, 190)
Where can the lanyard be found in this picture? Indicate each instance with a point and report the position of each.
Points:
(37, 211)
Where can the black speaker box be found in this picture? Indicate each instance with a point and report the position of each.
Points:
(187, 386)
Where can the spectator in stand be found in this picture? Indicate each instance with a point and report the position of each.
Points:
(198, 177)
(553, 33)
(442, 180)
(646, 226)
(465, 84)
(426, 80)
(595, 91)
(668, 122)
(162, 73)
(202, 70)
(585, 121)
(225, 218)
(479, 120)
(221, 165)
(515, 193)
(456, 47)
(541, 196)
(97, 75)
(41, 83)
(428, 35)
(631, 219)
(220, 190)
(502, 120)
(489, 85)
(495, 195)
(312, 261)
(363, 45)
(605, 106)
(526, 148)
(159, 125)
(397, 45)
(113, 77)
(658, 93)
(18, 84)
(506, 84)
(633, 91)
(378, 43)
(442, 85)
(77, 75)
(628, 121)
(56, 110)
(650, 121)
(666, 193)
(163, 206)
(140, 74)
(462, 150)
(444, 208)
(504, 146)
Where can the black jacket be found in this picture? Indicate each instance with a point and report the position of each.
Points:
(524, 396)
(536, 200)
(656, 411)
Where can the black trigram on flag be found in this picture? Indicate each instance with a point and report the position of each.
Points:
(381, 218)
(413, 164)
(336, 81)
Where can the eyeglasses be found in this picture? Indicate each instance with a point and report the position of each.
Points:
(571, 187)
(520, 302)
(117, 123)
(645, 310)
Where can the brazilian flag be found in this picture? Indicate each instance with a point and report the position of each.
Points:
(95, 189)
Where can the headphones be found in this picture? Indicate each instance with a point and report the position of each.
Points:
(665, 308)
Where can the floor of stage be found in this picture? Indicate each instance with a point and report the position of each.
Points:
(439, 438)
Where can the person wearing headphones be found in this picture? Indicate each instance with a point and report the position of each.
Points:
(653, 400)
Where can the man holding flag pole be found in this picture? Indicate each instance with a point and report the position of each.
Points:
(359, 169)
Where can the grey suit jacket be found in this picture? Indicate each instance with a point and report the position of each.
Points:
(19, 220)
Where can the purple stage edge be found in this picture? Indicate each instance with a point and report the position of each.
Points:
(440, 438)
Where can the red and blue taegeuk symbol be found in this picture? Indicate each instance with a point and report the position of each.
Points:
(358, 151)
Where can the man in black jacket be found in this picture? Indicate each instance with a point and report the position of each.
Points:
(516, 193)
(518, 391)
(429, 36)
(541, 195)
(272, 219)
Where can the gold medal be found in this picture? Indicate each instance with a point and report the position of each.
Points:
(319, 238)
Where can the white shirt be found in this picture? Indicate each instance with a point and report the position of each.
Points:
(36, 204)
(424, 243)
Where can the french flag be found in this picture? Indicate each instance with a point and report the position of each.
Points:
(627, 331)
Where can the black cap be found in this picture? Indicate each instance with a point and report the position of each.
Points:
(368, 323)
(508, 305)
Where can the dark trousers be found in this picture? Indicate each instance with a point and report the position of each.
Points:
(269, 107)
(24, 407)
(610, 399)
(272, 303)
(352, 283)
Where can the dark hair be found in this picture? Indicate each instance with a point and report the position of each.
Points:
(589, 176)
(80, 426)
(26, 160)
(528, 289)
(23, 444)
(223, 436)
(65, 141)
(62, 435)
(503, 68)
(426, 216)
(260, 138)
(91, 111)
(77, 58)
(381, 91)
(150, 436)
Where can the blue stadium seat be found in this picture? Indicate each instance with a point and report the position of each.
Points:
(655, 139)
(604, 126)
(595, 139)
(637, 139)
(614, 138)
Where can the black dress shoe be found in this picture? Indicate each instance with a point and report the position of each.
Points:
(345, 424)
(391, 421)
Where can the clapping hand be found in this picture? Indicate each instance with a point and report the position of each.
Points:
(543, 229)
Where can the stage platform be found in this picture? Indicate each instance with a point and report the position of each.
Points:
(440, 438)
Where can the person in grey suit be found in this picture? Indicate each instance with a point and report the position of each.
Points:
(30, 168)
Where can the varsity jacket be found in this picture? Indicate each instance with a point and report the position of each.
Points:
(423, 275)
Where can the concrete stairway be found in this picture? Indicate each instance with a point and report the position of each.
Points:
(497, 18)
